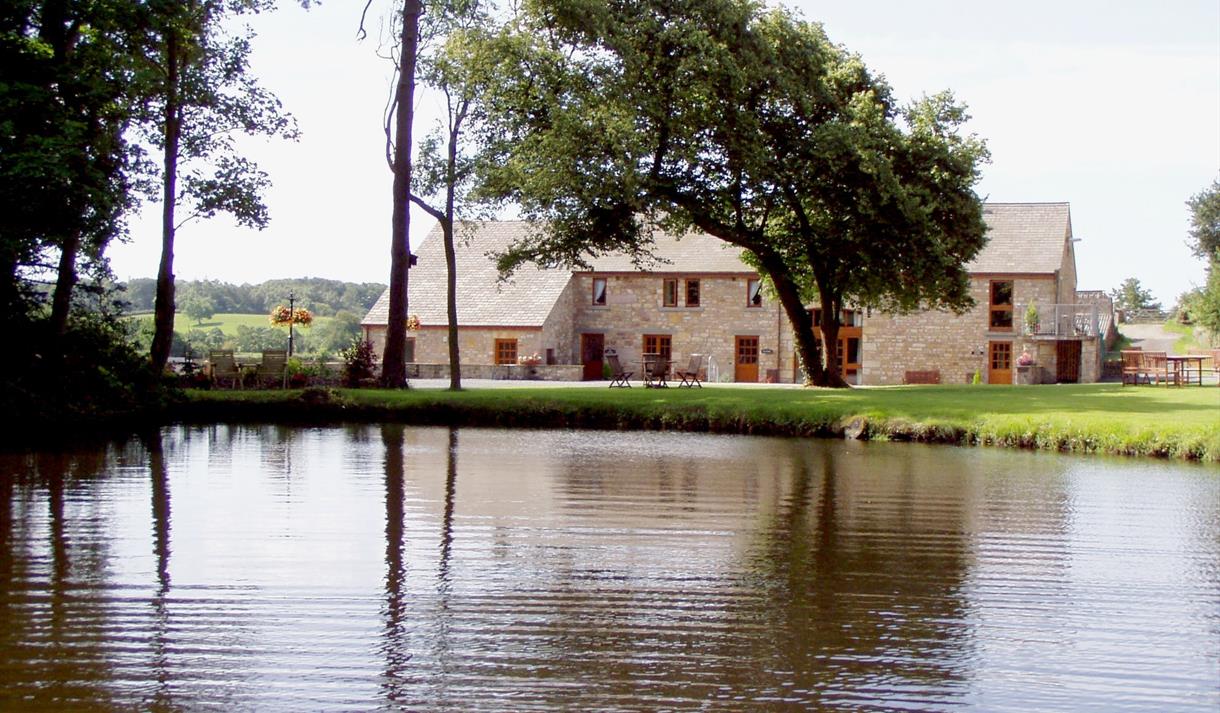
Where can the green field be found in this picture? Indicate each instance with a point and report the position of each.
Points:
(227, 323)
(1087, 418)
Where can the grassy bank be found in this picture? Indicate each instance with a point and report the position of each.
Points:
(1093, 418)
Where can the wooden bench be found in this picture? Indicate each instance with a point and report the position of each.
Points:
(928, 376)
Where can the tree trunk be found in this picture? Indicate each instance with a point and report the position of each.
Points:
(798, 318)
(393, 365)
(163, 310)
(830, 339)
(455, 364)
(65, 281)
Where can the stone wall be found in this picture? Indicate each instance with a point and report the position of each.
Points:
(634, 308)
(956, 345)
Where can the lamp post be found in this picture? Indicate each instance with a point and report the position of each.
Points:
(291, 317)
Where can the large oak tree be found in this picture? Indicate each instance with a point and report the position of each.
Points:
(611, 120)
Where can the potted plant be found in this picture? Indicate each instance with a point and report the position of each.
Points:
(1031, 318)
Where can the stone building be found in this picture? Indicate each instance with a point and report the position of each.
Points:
(1024, 286)
(698, 297)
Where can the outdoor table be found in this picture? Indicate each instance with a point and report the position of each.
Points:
(1181, 366)
(658, 378)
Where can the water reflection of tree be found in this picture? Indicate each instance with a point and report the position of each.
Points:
(857, 603)
(52, 581)
(159, 476)
(394, 647)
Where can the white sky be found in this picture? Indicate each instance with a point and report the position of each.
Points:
(1112, 106)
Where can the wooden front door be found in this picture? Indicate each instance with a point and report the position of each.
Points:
(848, 352)
(746, 364)
(1067, 362)
(592, 347)
(999, 359)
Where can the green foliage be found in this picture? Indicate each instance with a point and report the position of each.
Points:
(1201, 306)
(323, 297)
(1205, 222)
(977, 379)
(198, 308)
(336, 333)
(99, 376)
(1130, 295)
(257, 339)
(606, 123)
(358, 362)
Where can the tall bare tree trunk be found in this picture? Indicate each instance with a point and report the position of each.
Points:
(393, 360)
(163, 310)
(455, 364)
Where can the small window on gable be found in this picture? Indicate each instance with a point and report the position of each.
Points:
(506, 351)
(599, 291)
(753, 292)
(692, 293)
(1000, 309)
(669, 293)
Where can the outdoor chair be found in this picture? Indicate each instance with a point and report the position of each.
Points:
(1133, 367)
(224, 367)
(690, 375)
(618, 377)
(273, 369)
(655, 369)
(1155, 366)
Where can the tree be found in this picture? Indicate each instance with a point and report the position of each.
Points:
(198, 308)
(65, 167)
(1205, 222)
(202, 96)
(398, 127)
(444, 170)
(607, 122)
(1130, 295)
(1204, 305)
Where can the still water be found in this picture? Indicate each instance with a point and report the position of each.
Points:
(399, 568)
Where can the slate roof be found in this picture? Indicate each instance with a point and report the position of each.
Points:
(1025, 238)
(482, 301)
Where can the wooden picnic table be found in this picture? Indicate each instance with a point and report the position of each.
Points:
(1182, 366)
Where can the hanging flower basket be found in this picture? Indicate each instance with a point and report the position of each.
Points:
(282, 316)
(413, 323)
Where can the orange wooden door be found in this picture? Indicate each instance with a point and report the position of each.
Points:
(746, 364)
(592, 347)
(999, 359)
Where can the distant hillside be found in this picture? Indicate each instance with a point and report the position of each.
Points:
(322, 297)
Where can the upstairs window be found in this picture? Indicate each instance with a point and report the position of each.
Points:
(1000, 309)
(599, 291)
(753, 292)
(669, 293)
(692, 293)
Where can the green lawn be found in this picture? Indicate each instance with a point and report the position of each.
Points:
(228, 323)
(1090, 418)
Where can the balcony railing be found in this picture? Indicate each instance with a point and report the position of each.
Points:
(1059, 320)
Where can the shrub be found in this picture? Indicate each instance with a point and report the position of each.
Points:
(358, 361)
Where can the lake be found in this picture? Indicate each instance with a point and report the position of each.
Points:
(399, 568)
